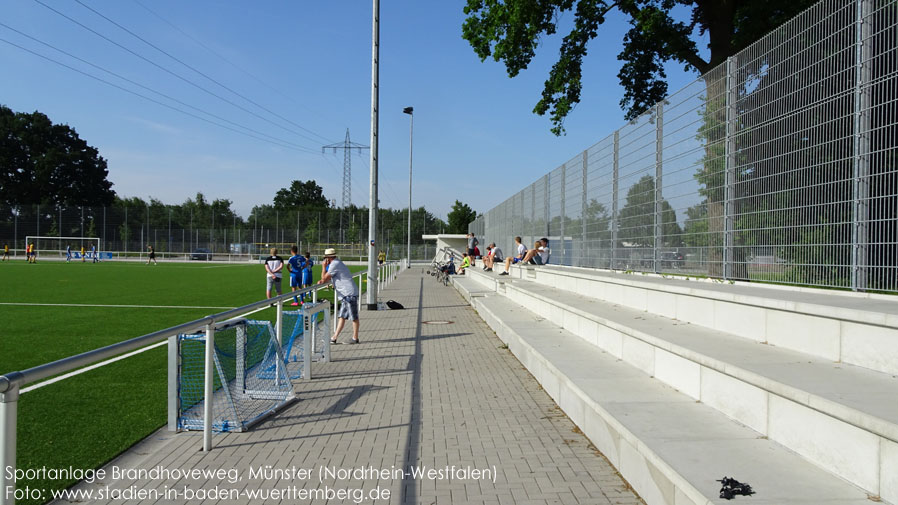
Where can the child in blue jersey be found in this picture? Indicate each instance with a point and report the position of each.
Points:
(307, 273)
(68, 253)
(296, 264)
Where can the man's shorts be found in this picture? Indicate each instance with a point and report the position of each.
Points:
(276, 282)
(349, 308)
(295, 281)
(536, 260)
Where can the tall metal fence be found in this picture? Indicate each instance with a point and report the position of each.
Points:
(129, 230)
(779, 165)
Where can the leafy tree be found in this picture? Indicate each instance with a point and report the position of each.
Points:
(46, 163)
(311, 233)
(301, 194)
(510, 31)
(637, 218)
(459, 217)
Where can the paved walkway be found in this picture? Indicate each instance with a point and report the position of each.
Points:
(413, 395)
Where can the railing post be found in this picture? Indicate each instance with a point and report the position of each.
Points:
(729, 208)
(659, 159)
(359, 300)
(9, 403)
(208, 387)
(174, 407)
(861, 163)
(279, 336)
(615, 225)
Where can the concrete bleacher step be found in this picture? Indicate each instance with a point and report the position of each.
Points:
(855, 328)
(843, 418)
(669, 447)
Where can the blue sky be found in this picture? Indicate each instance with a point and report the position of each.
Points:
(308, 63)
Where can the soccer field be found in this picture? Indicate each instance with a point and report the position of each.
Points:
(51, 310)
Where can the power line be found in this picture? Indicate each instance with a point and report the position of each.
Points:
(145, 41)
(229, 62)
(188, 81)
(288, 146)
(287, 142)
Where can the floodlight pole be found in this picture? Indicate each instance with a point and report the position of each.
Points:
(372, 206)
(411, 130)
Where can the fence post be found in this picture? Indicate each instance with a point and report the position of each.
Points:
(562, 214)
(861, 163)
(9, 402)
(729, 207)
(208, 387)
(545, 231)
(584, 247)
(615, 225)
(659, 183)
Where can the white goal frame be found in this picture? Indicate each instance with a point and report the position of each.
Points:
(37, 238)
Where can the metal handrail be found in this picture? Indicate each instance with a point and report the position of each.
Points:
(10, 383)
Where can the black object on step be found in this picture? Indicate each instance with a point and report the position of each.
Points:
(393, 304)
(730, 488)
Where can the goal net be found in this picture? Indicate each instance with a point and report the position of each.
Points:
(307, 333)
(57, 246)
(250, 378)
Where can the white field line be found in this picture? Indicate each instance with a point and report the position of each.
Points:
(118, 358)
(91, 367)
(114, 306)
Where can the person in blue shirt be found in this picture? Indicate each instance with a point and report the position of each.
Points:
(296, 265)
(68, 253)
(307, 273)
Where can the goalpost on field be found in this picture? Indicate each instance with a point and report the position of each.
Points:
(45, 245)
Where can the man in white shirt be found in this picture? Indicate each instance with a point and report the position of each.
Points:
(493, 255)
(337, 272)
(273, 266)
(522, 251)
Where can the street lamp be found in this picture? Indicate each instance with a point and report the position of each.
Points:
(411, 129)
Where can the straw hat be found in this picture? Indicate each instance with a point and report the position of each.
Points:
(330, 252)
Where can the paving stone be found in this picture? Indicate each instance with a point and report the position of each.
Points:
(411, 394)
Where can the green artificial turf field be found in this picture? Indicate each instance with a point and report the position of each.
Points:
(51, 310)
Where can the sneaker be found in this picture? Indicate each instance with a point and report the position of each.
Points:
(489, 269)
(504, 273)
(295, 304)
(353, 341)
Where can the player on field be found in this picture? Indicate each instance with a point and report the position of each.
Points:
(296, 264)
(273, 266)
(68, 253)
(5, 252)
(33, 256)
(96, 257)
(307, 273)
(82, 254)
(152, 255)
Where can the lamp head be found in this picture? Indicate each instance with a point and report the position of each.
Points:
(408, 110)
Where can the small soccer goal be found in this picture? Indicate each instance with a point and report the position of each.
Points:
(307, 333)
(57, 246)
(250, 377)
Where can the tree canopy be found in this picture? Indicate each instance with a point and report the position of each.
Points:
(510, 31)
(46, 163)
(459, 217)
(301, 194)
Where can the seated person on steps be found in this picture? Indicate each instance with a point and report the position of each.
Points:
(493, 254)
(522, 252)
(539, 255)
